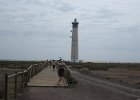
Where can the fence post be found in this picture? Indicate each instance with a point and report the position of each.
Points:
(30, 73)
(35, 69)
(27, 76)
(6, 87)
(16, 85)
(26, 79)
(22, 81)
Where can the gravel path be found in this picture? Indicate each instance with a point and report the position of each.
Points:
(87, 89)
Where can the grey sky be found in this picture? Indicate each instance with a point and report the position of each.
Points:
(109, 30)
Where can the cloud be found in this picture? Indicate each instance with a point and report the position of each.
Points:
(65, 8)
(105, 28)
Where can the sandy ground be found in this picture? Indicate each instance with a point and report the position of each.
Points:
(121, 76)
(88, 88)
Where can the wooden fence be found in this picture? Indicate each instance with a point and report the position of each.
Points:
(15, 83)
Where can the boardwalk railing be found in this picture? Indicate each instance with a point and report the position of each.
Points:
(15, 83)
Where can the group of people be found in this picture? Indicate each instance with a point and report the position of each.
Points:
(61, 70)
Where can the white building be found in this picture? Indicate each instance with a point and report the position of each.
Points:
(74, 44)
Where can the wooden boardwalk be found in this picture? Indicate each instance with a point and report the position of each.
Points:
(46, 77)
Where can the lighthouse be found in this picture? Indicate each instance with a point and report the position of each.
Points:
(74, 42)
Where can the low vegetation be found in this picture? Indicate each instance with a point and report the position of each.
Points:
(17, 64)
(105, 66)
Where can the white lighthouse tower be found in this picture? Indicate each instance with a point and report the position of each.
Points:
(74, 44)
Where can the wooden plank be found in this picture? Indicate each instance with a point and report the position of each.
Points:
(46, 77)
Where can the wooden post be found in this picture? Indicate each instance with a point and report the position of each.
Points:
(22, 81)
(28, 76)
(6, 87)
(26, 79)
(31, 72)
(35, 69)
(16, 85)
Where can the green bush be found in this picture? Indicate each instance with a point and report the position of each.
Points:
(72, 81)
(106, 66)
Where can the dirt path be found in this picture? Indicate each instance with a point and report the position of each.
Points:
(88, 88)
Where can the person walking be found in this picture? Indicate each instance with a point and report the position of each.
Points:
(47, 63)
(50, 63)
(53, 64)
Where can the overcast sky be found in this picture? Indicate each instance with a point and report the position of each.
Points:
(109, 30)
